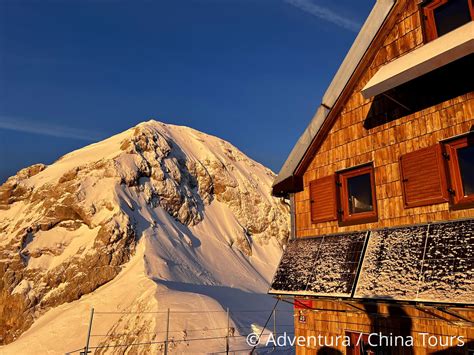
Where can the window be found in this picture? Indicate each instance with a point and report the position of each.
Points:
(443, 16)
(323, 199)
(460, 155)
(423, 177)
(357, 191)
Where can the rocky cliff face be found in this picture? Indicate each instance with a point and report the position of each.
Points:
(68, 228)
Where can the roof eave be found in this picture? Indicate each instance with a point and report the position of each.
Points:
(358, 49)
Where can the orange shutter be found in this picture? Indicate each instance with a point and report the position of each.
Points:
(322, 194)
(423, 177)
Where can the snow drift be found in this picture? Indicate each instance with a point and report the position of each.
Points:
(159, 216)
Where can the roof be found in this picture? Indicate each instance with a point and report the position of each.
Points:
(428, 263)
(361, 44)
(433, 55)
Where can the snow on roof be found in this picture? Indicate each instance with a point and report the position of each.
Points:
(429, 263)
(324, 265)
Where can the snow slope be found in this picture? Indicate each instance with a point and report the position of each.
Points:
(157, 217)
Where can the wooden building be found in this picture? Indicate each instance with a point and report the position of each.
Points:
(381, 185)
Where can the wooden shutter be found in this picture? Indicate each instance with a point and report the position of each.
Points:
(423, 177)
(322, 194)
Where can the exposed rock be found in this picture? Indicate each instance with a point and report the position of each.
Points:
(96, 195)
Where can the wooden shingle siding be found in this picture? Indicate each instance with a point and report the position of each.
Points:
(335, 318)
(424, 177)
(405, 148)
(323, 199)
(348, 143)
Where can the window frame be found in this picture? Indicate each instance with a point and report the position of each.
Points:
(361, 217)
(429, 23)
(451, 147)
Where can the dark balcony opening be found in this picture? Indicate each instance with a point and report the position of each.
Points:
(435, 87)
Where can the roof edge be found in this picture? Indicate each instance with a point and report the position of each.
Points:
(361, 44)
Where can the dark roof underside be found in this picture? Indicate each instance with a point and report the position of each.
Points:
(430, 263)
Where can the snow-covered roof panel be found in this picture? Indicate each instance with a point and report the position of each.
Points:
(427, 263)
(430, 263)
(448, 263)
(323, 266)
(392, 264)
(295, 269)
(338, 260)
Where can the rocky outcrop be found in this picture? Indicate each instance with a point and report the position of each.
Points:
(13, 190)
(68, 228)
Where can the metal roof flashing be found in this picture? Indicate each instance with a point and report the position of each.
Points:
(362, 42)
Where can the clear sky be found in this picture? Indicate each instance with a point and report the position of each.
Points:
(249, 71)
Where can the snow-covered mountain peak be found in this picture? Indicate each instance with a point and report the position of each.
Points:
(195, 203)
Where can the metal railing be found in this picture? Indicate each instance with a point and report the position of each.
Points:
(231, 339)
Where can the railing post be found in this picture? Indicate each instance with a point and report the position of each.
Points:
(86, 349)
(167, 332)
(227, 334)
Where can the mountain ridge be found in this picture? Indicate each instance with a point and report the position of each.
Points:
(171, 191)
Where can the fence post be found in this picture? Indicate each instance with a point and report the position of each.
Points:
(167, 332)
(86, 349)
(227, 334)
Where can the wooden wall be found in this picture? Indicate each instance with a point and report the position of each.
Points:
(349, 143)
(405, 320)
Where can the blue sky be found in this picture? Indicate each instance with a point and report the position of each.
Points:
(249, 71)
